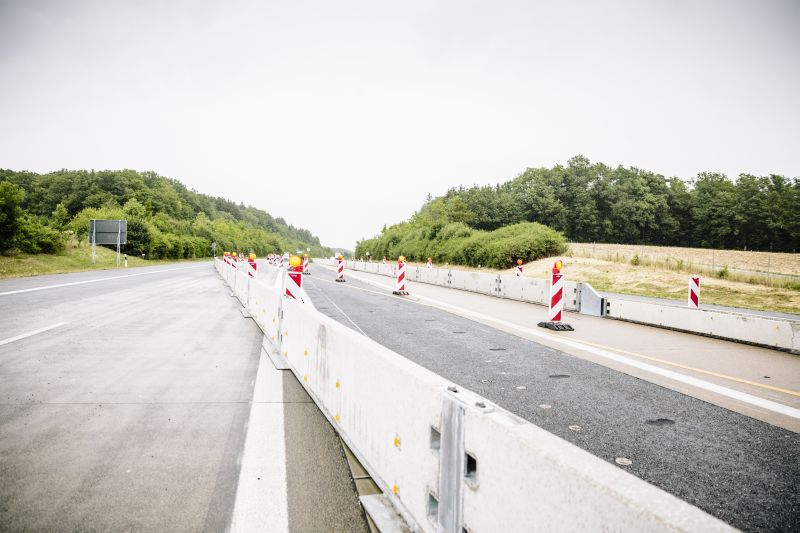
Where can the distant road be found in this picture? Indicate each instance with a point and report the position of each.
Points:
(737, 468)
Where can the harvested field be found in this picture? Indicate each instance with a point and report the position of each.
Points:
(662, 283)
(662, 279)
(757, 264)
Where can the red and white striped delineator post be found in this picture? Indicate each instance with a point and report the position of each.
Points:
(694, 292)
(556, 304)
(430, 263)
(384, 259)
(340, 269)
(234, 259)
(251, 266)
(294, 284)
(519, 267)
(225, 257)
(305, 265)
(294, 279)
(401, 277)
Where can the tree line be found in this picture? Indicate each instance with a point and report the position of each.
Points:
(38, 213)
(592, 202)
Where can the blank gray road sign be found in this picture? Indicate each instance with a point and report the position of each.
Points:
(105, 231)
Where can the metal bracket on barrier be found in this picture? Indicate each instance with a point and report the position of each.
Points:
(457, 467)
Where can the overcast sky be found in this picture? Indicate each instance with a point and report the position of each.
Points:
(341, 116)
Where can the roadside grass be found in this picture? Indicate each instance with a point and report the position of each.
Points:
(76, 257)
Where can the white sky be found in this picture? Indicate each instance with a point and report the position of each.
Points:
(341, 116)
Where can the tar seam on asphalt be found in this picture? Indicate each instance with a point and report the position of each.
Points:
(340, 309)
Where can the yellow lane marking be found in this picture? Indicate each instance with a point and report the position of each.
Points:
(687, 367)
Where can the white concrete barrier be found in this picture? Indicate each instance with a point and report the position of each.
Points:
(752, 329)
(779, 333)
(447, 459)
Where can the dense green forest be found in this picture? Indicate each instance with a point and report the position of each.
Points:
(591, 202)
(39, 213)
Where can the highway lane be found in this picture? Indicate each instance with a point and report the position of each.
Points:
(125, 403)
(739, 469)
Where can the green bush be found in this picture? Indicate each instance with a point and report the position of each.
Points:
(34, 236)
(457, 243)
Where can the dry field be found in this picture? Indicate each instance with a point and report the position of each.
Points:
(647, 280)
(759, 264)
(662, 279)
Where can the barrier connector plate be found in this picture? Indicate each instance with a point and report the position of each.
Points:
(400, 293)
(340, 280)
(556, 326)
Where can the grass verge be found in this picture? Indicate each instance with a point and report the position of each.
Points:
(76, 257)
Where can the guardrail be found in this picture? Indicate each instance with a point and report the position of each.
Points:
(446, 459)
(770, 332)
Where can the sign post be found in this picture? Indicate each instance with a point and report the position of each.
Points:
(108, 232)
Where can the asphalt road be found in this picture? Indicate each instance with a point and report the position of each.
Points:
(125, 404)
(741, 470)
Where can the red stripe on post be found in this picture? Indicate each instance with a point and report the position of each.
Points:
(556, 298)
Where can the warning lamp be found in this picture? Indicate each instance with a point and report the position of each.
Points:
(401, 259)
(234, 254)
(519, 261)
(295, 261)
(252, 257)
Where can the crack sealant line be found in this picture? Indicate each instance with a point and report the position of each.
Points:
(607, 353)
(340, 309)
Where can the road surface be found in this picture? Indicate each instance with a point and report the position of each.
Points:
(125, 401)
(740, 469)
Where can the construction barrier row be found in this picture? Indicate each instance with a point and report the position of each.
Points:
(446, 459)
(760, 330)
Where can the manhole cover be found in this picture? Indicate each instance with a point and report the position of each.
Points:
(559, 376)
(623, 461)
(660, 422)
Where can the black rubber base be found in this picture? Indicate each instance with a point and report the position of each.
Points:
(306, 273)
(556, 326)
(400, 293)
(340, 280)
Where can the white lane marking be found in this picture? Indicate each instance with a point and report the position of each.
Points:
(775, 407)
(261, 495)
(340, 309)
(31, 333)
(33, 289)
